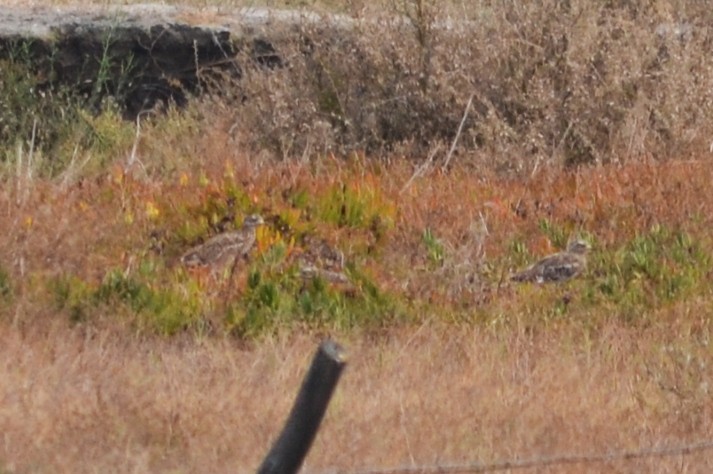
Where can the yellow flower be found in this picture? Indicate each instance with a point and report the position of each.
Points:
(152, 211)
(229, 171)
(117, 174)
(203, 180)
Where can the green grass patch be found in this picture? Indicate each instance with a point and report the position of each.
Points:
(162, 309)
(277, 297)
(434, 247)
(166, 310)
(54, 124)
(557, 234)
(5, 284)
(220, 208)
(6, 289)
(357, 206)
(73, 295)
(655, 268)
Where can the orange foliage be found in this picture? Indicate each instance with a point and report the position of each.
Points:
(109, 221)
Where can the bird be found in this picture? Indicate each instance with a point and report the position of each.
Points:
(558, 267)
(225, 247)
(319, 259)
(317, 252)
(310, 272)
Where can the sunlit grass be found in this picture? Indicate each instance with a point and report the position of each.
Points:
(95, 304)
(399, 268)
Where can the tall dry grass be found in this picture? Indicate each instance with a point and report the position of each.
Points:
(458, 365)
(555, 82)
(83, 401)
(505, 86)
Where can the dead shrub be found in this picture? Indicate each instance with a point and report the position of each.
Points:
(558, 82)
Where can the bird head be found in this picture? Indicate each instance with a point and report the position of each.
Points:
(253, 220)
(578, 246)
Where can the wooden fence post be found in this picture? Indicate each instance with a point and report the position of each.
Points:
(290, 449)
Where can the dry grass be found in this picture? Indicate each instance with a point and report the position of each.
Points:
(511, 380)
(449, 362)
(138, 225)
(328, 5)
(561, 83)
(77, 401)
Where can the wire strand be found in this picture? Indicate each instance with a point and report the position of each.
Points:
(537, 462)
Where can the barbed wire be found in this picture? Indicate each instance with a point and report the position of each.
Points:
(538, 462)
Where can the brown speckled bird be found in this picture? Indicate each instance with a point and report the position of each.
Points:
(559, 267)
(318, 258)
(224, 248)
(317, 252)
(309, 272)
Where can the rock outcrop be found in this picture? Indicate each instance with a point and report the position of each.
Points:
(140, 54)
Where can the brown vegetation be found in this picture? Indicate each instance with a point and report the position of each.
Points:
(116, 358)
(78, 401)
(516, 378)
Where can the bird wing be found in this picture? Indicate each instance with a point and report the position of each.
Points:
(562, 267)
(322, 254)
(557, 267)
(213, 249)
(226, 239)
